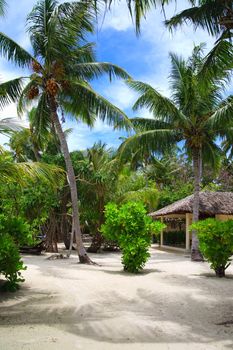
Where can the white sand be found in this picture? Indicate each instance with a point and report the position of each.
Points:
(174, 304)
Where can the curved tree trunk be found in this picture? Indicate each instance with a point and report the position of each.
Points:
(197, 169)
(76, 230)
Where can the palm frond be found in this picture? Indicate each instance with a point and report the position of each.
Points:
(222, 116)
(85, 103)
(9, 124)
(96, 69)
(149, 142)
(205, 16)
(146, 124)
(13, 52)
(23, 172)
(217, 65)
(10, 91)
(24, 102)
(156, 103)
(2, 7)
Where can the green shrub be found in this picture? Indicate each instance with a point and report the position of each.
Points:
(10, 263)
(13, 233)
(216, 243)
(132, 229)
(16, 228)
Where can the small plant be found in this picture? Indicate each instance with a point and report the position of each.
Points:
(13, 232)
(10, 263)
(216, 243)
(130, 226)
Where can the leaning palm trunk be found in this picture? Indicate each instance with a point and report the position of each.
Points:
(197, 169)
(76, 230)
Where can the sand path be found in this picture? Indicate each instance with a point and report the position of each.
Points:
(173, 304)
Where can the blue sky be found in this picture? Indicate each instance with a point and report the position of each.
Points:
(145, 58)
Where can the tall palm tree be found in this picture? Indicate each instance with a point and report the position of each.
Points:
(63, 63)
(186, 117)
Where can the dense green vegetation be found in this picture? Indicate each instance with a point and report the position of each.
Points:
(131, 227)
(185, 147)
(216, 243)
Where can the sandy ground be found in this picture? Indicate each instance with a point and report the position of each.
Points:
(173, 304)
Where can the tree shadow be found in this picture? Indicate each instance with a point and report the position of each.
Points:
(186, 315)
(128, 274)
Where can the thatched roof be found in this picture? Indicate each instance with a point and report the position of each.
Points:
(211, 203)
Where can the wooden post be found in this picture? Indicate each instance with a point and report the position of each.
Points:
(187, 236)
(161, 234)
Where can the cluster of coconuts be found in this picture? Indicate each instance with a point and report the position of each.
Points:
(52, 87)
(227, 19)
(33, 92)
(58, 70)
(36, 67)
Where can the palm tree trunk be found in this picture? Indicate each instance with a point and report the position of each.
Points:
(197, 170)
(76, 230)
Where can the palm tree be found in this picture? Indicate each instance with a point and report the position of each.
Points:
(134, 186)
(98, 175)
(185, 118)
(63, 64)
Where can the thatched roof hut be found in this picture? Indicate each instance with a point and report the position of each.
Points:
(211, 204)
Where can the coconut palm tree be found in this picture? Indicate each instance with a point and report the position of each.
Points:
(186, 118)
(63, 63)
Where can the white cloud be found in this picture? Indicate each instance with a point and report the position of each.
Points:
(120, 95)
(118, 18)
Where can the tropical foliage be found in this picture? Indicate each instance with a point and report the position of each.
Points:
(188, 118)
(62, 64)
(216, 243)
(130, 226)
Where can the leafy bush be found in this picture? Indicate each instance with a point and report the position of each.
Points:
(13, 232)
(16, 228)
(10, 263)
(131, 228)
(216, 243)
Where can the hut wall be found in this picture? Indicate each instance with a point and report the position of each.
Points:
(224, 217)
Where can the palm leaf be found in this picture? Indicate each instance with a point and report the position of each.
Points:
(149, 142)
(10, 91)
(156, 103)
(94, 70)
(14, 52)
(85, 103)
(206, 16)
(24, 172)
